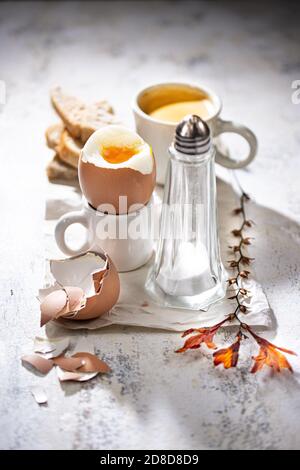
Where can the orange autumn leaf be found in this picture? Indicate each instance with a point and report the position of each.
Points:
(203, 335)
(195, 341)
(228, 356)
(270, 355)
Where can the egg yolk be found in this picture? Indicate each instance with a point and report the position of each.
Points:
(117, 154)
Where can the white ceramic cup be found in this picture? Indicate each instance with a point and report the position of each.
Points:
(127, 238)
(159, 134)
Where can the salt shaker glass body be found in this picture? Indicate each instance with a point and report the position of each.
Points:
(188, 271)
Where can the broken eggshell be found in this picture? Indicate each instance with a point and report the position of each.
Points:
(61, 302)
(39, 395)
(81, 366)
(93, 273)
(84, 344)
(51, 347)
(69, 363)
(38, 362)
(91, 363)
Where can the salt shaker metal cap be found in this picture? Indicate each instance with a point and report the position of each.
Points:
(188, 271)
(192, 136)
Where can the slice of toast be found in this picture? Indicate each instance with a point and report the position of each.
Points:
(81, 120)
(53, 135)
(69, 149)
(59, 172)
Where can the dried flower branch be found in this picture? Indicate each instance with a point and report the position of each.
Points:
(269, 354)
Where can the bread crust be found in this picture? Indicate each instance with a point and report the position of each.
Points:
(69, 149)
(81, 120)
(53, 135)
(58, 171)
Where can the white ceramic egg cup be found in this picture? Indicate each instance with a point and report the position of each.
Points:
(127, 238)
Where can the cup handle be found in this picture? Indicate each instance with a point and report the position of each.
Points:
(243, 131)
(64, 222)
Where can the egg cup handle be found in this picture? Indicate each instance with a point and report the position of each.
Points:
(64, 222)
(243, 131)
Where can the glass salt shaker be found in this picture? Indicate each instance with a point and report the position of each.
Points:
(188, 271)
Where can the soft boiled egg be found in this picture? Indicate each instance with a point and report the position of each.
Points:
(116, 170)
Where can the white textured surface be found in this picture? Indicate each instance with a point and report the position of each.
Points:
(154, 398)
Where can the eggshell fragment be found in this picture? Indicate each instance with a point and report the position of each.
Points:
(69, 376)
(39, 395)
(75, 297)
(91, 363)
(69, 363)
(39, 363)
(65, 376)
(106, 297)
(83, 344)
(51, 347)
(52, 305)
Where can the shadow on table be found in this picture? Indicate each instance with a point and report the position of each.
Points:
(196, 404)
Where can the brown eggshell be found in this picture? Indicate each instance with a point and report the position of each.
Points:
(105, 185)
(61, 303)
(105, 299)
(39, 363)
(75, 296)
(68, 363)
(91, 363)
(52, 305)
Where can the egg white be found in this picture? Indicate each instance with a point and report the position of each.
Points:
(118, 136)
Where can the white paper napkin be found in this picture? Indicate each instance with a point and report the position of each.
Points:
(135, 307)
